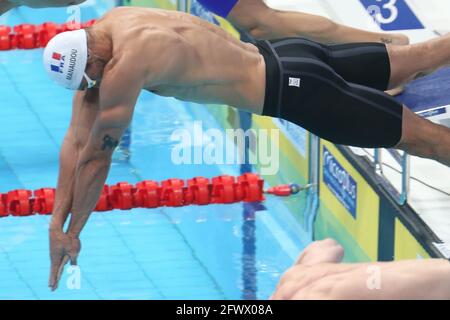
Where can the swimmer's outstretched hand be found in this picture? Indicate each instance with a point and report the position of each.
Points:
(64, 247)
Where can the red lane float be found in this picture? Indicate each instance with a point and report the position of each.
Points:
(43, 200)
(149, 194)
(29, 36)
(3, 211)
(19, 203)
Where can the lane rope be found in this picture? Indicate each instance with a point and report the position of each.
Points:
(30, 36)
(151, 194)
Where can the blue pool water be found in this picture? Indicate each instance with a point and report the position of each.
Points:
(210, 252)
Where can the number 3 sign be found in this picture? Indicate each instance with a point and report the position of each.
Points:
(392, 14)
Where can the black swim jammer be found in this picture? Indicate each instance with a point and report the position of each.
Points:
(335, 92)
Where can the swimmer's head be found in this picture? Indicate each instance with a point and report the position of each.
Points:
(65, 59)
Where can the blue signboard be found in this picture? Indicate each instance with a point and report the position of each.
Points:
(340, 182)
(392, 14)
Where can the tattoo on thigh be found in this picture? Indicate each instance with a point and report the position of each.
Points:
(109, 142)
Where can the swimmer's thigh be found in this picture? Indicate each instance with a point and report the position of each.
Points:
(315, 97)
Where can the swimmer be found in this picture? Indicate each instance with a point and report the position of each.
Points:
(263, 22)
(6, 5)
(319, 275)
(332, 91)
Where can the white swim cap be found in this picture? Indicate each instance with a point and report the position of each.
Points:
(65, 58)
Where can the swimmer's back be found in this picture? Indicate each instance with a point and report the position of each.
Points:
(206, 63)
(129, 20)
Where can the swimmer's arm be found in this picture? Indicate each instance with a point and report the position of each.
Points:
(94, 163)
(118, 94)
(84, 111)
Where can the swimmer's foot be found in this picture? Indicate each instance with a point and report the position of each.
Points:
(396, 91)
(397, 39)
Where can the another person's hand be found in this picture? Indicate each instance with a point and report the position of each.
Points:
(298, 282)
(324, 251)
(63, 248)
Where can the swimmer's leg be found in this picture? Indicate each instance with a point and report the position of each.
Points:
(341, 112)
(412, 61)
(423, 138)
(350, 114)
(331, 92)
(366, 64)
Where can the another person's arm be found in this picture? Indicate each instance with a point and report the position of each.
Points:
(318, 275)
(263, 22)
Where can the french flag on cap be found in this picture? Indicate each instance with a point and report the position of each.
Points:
(57, 62)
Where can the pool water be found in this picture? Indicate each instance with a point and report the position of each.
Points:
(210, 252)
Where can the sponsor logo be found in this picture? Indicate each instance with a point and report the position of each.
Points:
(340, 182)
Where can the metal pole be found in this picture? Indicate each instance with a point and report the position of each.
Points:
(314, 161)
(378, 158)
(313, 180)
(406, 178)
